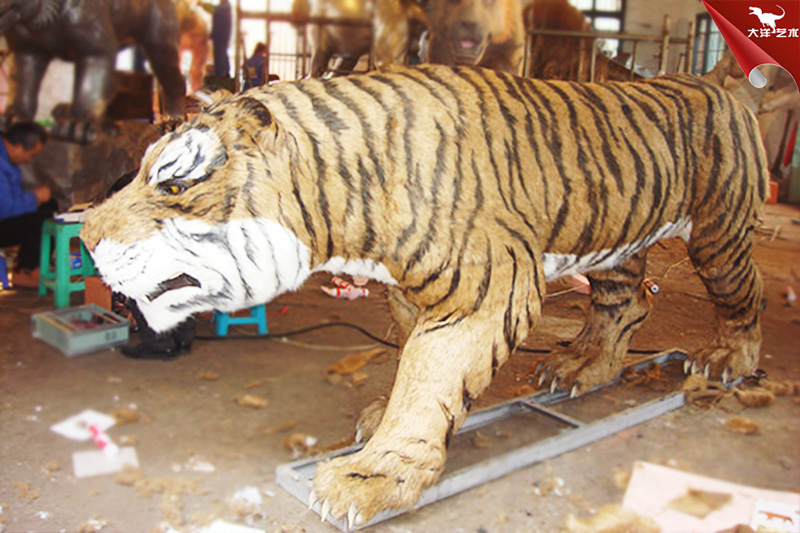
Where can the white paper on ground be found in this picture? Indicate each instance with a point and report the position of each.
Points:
(77, 427)
(653, 487)
(96, 463)
(221, 526)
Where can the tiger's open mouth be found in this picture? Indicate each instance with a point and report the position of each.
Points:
(178, 281)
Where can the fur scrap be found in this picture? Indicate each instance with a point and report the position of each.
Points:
(740, 424)
(757, 397)
(353, 362)
(700, 503)
(252, 401)
(611, 518)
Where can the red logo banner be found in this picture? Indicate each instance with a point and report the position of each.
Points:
(759, 33)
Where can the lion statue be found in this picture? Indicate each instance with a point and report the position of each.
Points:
(88, 33)
(474, 32)
(464, 190)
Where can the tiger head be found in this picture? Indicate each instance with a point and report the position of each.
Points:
(200, 226)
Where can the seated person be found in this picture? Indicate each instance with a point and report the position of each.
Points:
(22, 212)
(254, 67)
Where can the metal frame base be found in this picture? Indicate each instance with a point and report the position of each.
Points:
(296, 477)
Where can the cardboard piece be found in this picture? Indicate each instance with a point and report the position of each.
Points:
(652, 488)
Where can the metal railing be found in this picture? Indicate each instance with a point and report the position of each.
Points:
(666, 40)
(301, 23)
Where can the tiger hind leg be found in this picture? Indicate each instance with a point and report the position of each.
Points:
(618, 308)
(723, 259)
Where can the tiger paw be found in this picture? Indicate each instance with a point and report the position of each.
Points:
(361, 485)
(721, 363)
(578, 370)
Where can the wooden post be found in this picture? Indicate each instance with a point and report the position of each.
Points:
(662, 69)
(634, 56)
(689, 47)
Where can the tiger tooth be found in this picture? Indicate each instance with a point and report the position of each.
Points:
(726, 375)
(553, 385)
(707, 370)
(542, 378)
(574, 392)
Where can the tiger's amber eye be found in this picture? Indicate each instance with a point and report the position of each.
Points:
(174, 189)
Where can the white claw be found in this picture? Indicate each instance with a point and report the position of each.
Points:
(553, 385)
(726, 376)
(542, 378)
(687, 366)
(359, 436)
(695, 367)
(352, 513)
(312, 499)
(326, 508)
(707, 370)
(574, 392)
(359, 519)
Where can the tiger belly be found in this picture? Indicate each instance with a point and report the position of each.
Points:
(558, 265)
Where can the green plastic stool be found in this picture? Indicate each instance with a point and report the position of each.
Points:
(258, 316)
(58, 276)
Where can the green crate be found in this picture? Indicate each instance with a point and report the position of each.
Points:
(80, 330)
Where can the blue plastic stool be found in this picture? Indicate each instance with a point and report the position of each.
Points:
(258, 316)
(58, 276)
(4, 272)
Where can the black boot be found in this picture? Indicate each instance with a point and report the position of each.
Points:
(159, 346)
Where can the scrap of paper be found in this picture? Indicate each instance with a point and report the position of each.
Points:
(96, 463)
(78, 427)
(654, 489)
(759, 33)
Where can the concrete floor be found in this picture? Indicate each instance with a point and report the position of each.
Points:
(185, 418)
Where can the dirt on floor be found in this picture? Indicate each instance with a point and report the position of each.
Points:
(210, 428)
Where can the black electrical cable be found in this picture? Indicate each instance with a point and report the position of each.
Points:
(371, 336)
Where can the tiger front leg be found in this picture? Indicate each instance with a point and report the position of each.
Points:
(618, 308)
(449, 358)
(405, 315)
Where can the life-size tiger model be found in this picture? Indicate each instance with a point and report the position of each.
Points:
(464, 190)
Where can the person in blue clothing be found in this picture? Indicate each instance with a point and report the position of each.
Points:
(254, 67)
(221, 28)
(22, 212)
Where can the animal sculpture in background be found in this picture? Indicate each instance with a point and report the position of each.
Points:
(464, 190)
(194, 24)
(396, 26)
(475, 32)
(88, 33)
(553, 57)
